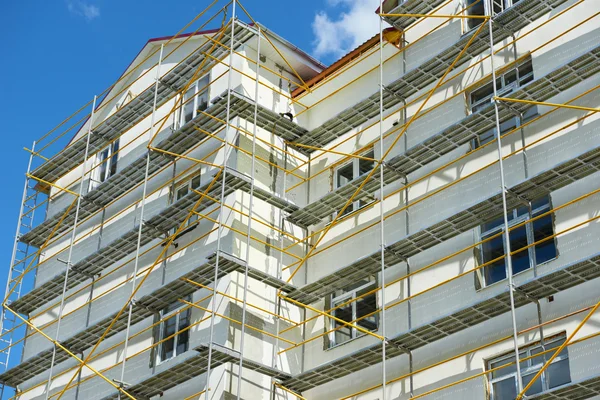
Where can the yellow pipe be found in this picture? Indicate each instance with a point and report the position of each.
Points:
(436, 16)
(137, 288)
(341, 321)
(236, 321)
(543, 103)
(383, 157)
(63, 348)
(236, 299)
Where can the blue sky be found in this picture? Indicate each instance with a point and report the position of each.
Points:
(57, 54)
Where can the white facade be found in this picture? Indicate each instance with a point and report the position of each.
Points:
(443, 261)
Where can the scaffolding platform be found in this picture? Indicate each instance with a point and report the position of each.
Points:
(539, 287)
(417, 79)
(580, 390)
(472, 216)
(178, 142)
(190, 365)
(137, 109)
(458, 134)
(156, 227)
(143, 308)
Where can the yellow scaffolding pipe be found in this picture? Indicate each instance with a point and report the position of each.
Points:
(383, 157)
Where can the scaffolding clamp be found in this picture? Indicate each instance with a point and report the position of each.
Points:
(510, 108)
(401, 256)
(524, 294)
(396, 171)
(400, 347)
(393, 93)
(173, 88)
(517, 196)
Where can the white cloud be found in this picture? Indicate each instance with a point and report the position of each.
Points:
(354, 22)
(83, 9)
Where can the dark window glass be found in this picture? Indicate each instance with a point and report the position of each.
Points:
(521, 239)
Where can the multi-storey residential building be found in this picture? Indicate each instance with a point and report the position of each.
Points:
(233, 219)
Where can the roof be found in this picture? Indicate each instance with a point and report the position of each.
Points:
(391, 35)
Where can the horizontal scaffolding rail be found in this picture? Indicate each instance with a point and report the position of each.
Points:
(177, 142)
(153, 228)
(143, 308)
(511, 20)
(458, 134)
(579, 390)
(470, 217)
(134, 112)
(538, 287)
(190, 365)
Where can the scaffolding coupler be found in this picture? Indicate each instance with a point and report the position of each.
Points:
(525, 294)
(396, 171)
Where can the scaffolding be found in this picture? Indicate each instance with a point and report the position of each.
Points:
(300, 232)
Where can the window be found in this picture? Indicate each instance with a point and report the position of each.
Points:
(477, 7)
(505, 127)
(195, 100)
(503, 382)
(174, 344)
(364, 307)
(505, 84)
(183, 189)
(350, 171)
(108, 161)
(519, 238)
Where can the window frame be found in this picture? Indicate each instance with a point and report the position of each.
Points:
(355, 162)
(198, 92)
(503, 5)
(108, 160)
(514, 220)
(188, 183)
(344, 297)
(173, 310)
(503, 85)
(530, 369)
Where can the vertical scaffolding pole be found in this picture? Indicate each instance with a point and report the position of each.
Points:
(11, 319)
(72, 242)
(141, 222)
(381, 201)
(509, 270)
(250, 209)
(222, 204)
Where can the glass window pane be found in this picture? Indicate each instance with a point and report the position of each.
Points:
(188, 108)
(505, 389)
(543, 228)
(365, 166)
(367, 306)
(345, 332)
(508, 369)
(558, 373)
(518, 240)
(184, 337)
(181, 192)
(114, 158)
(535, 388)
(196, 182)
(491, 250)
(345, 174)
(476, 8)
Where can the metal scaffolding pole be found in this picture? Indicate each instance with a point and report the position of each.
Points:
(141, 220)
(381, 208)
(250, 209)
(72, 242)
(11, 319)
(222, 205)
(503, 189)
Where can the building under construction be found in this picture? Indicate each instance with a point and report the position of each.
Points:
(231, 219)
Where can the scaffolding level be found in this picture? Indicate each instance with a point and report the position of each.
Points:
(233, 219)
